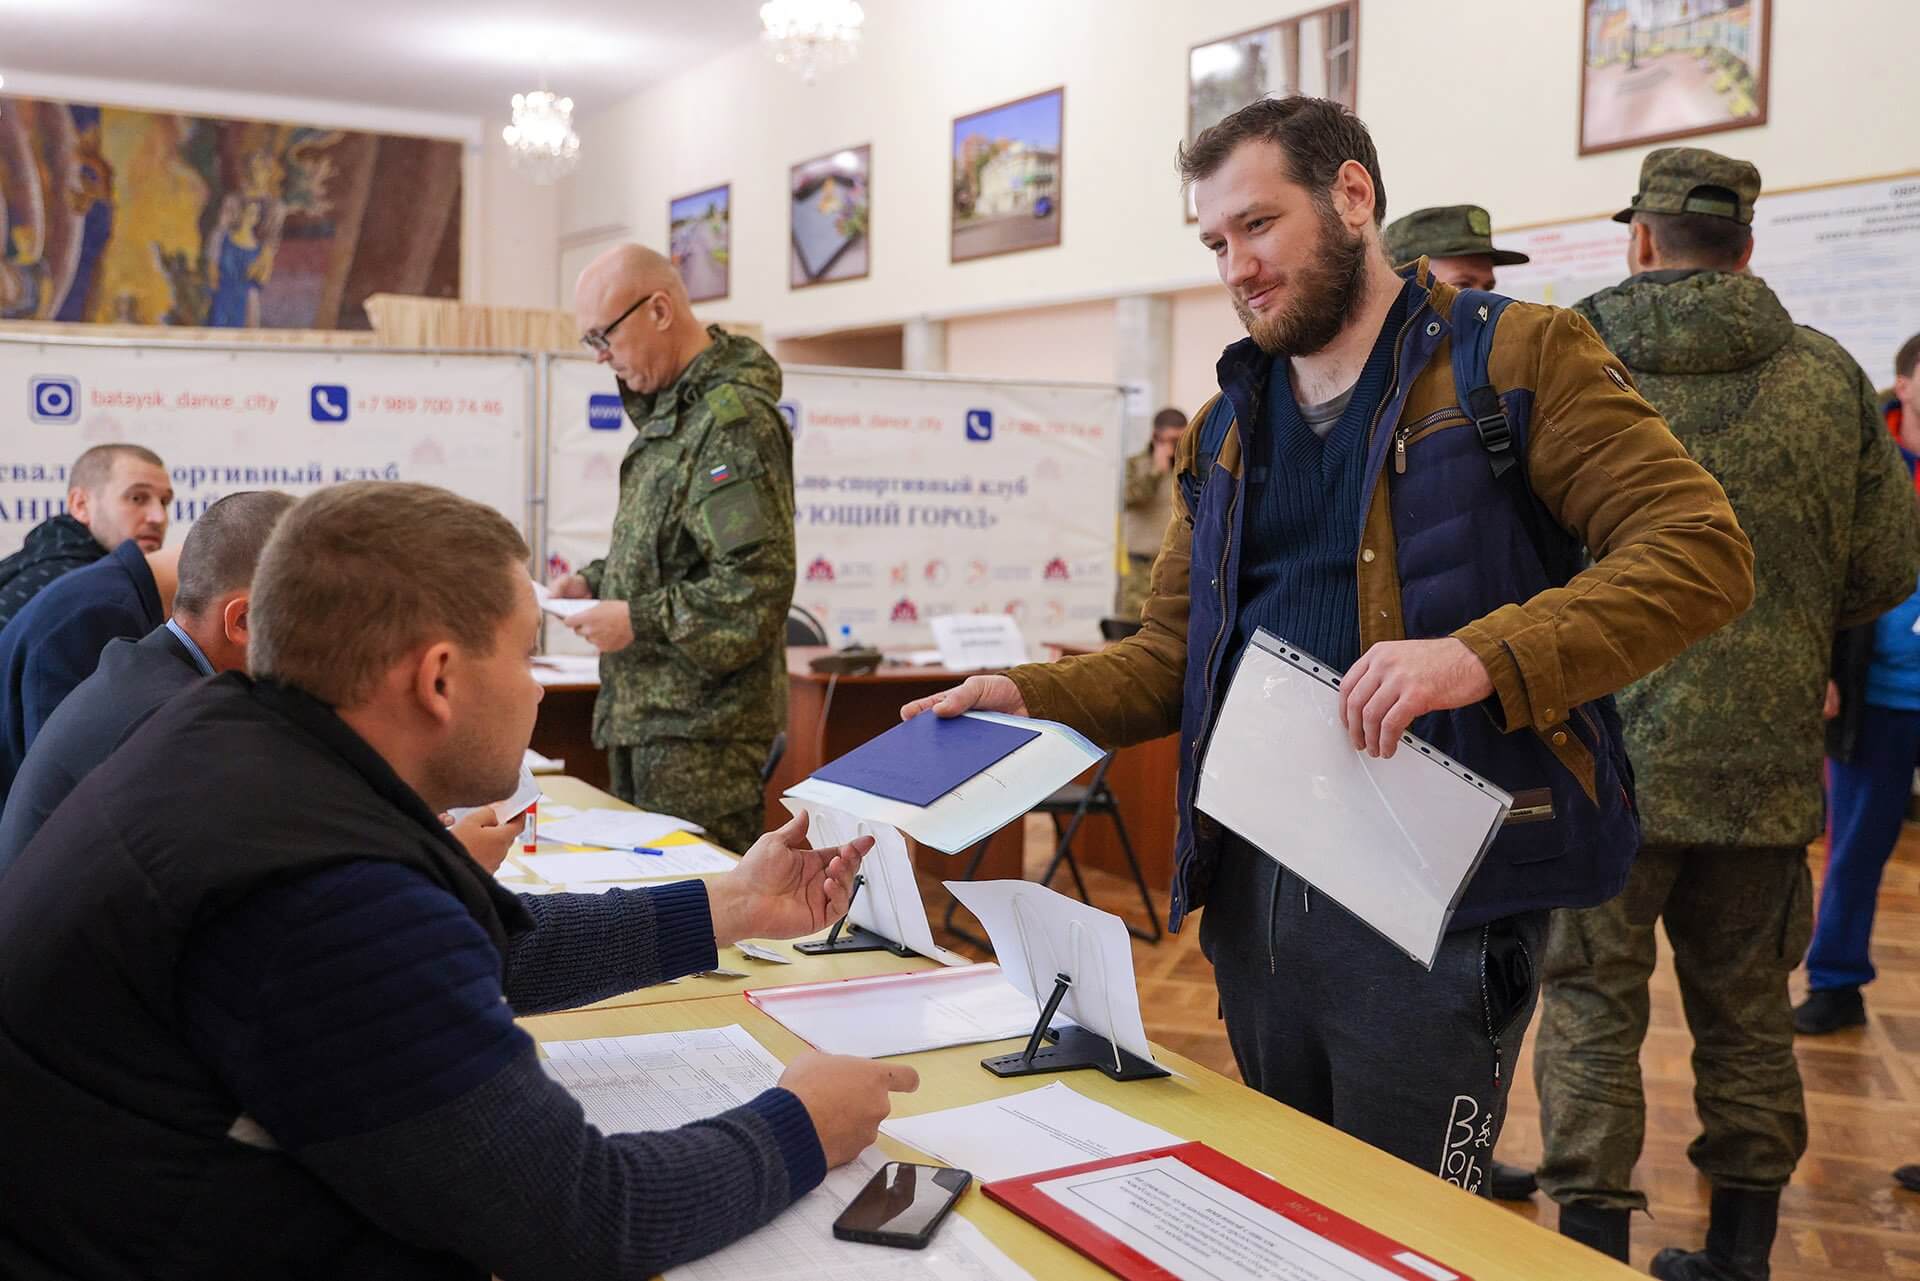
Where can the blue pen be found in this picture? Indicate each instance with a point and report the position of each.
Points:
(642, 849)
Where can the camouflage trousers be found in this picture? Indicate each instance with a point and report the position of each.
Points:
(1738, 921)
(714, 782)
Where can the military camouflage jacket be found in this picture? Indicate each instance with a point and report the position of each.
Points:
(702, 552)
(1726, 739)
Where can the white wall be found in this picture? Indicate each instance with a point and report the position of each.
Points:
(1467, 99)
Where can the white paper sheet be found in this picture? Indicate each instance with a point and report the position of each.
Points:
(889, 904)
(761, 952)
(800, 1245)
(567, 669)
(558, 606)
(661, 1079)
(978, 642)
(902, 1013)
(1039, 934)
(614, 829)
(542, 764)
(1393, 841)
(1025, 1133)
(1196, 1227)
(984, 803)
(592, 865)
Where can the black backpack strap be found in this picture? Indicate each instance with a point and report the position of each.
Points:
(1475, 313)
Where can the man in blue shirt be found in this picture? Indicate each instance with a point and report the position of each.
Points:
(207, 634)
(55, 642)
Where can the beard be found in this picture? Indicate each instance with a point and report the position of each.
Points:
(1326, 293)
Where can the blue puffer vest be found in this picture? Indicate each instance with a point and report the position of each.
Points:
(1468, 540)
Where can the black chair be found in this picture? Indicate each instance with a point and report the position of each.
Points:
(803, 628)
(1074, 802)
(773, 758)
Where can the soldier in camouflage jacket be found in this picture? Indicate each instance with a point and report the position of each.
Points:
(699, 575)
(1726, 739)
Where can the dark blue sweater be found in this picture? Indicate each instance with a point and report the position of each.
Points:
(1303, 517)
(359, 1016)
(54, 643)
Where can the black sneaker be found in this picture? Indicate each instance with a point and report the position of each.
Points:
(1511, 1182)
(1829, 1011)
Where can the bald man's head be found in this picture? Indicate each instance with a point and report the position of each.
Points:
(633, 313)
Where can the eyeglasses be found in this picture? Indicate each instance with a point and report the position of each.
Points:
(596, 339)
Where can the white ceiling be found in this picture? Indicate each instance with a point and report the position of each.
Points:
(453, 56)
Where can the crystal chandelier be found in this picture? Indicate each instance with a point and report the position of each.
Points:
(541, 139)
(809, 35)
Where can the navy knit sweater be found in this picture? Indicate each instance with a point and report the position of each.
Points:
(1303, 517)
(360, 1017)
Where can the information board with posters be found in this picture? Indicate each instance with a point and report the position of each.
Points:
(226, 419)
(1844, 259)
(915, 496)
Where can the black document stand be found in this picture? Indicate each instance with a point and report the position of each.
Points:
(1073, 1047)
(852, 938)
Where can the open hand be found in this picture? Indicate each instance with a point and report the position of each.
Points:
(782, 889)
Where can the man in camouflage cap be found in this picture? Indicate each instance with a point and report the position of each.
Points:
(1457, 242)
(696, 585)
(1727, 738)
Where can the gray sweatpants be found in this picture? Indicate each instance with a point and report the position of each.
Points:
(1329, 1018)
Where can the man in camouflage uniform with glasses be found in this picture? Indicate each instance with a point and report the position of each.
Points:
(696, 584)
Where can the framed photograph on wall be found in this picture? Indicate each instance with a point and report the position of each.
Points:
(700, 239)
(830, 207)
(1006, 177)
(1315, 53)
(1656, 70)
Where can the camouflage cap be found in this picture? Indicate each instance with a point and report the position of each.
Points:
(1446, 231)
(1693, 180)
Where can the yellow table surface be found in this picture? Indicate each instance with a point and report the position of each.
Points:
(805, 969)
(1468, 1234)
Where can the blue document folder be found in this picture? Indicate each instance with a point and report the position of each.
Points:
(919, 761)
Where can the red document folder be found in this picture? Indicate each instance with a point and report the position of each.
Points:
(1024, 1198)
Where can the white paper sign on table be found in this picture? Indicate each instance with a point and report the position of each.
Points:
(1039, 934)
(979, 642)
(889, 904)
(1040, 1129)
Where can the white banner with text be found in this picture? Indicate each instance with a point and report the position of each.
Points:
(226, 419)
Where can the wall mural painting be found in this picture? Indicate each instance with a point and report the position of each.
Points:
(152, 218)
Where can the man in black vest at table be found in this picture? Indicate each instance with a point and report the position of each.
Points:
(256, 1015)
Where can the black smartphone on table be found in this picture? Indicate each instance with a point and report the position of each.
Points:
(901, 1205)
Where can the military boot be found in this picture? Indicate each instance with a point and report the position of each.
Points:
(1602, 1228)
(1740, 1232)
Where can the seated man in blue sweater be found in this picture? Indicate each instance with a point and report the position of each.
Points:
(256, 1016)
(207, 634)
(55, 642)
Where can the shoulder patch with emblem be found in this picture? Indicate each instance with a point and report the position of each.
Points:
(734, 515)
(724, 404)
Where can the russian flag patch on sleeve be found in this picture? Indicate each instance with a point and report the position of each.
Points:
(720, 475)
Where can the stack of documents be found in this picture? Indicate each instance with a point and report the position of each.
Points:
(661, 1079)
(902, 1013)
(952, 782)
(1025, 1133)
(626, 865)
(1394, 841)
(615, 829)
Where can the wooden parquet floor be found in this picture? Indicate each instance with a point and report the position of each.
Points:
(1842, 1219)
